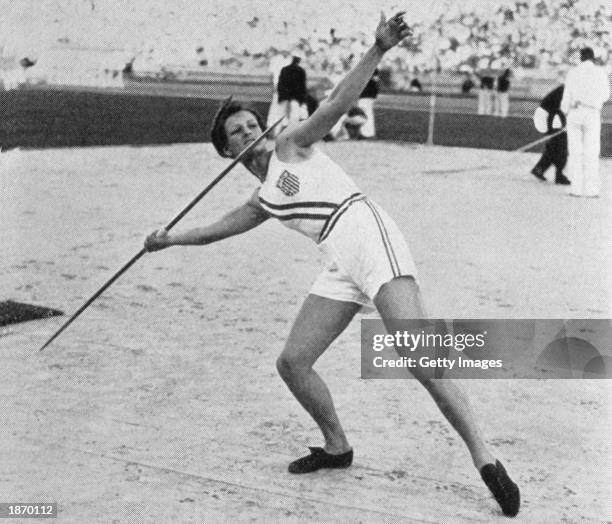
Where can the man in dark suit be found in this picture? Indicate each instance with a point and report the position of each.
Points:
(292, 90)
(549, 119)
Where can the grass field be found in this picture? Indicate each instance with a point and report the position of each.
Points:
(162, 403)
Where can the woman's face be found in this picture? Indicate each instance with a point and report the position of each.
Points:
(241, 129)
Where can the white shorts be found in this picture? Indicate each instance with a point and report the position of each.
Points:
(366, 249)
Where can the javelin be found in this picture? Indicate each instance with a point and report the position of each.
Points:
(536, 142)
(527, 147)
(170, 225)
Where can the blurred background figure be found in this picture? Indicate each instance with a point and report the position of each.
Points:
(366, 103)
(354, 122)
(502, 94)
(548, 118)
(292, 91)
(587, 87)
(468, 84)
(12, 71)
(415, 86)
(128, 69)
(277, 62)
(485, 94)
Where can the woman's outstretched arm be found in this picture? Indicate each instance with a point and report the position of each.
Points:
(240, 220)
(389, 33)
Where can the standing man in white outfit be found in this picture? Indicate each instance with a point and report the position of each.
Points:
(587, 87)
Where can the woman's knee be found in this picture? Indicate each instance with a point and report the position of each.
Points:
(291, 363)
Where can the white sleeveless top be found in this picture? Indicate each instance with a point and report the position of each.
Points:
(308, 196)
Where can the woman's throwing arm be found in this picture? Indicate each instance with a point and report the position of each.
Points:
(389, 33)
(240, 220)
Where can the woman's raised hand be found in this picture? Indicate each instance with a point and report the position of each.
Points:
(391, 32)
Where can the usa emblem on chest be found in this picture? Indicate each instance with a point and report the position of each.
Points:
(288, 183)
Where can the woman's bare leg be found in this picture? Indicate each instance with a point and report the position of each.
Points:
(399, 300)
(317, 325)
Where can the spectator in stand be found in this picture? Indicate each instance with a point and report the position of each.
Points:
(366, 103)
(292, 90)
(587, 87)
(502, 94)
(548, 118)
(485, 95)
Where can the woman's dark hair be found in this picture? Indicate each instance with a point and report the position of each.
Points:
(227, 109)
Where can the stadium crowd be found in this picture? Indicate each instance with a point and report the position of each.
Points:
(541, 37)
(537, 37)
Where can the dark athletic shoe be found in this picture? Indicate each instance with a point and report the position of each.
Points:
(319, 458)
(504, 490)
(538, 174)
(562, 180)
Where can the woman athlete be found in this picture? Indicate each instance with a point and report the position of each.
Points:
(370, 261)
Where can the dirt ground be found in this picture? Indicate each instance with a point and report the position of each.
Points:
(162, 402)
